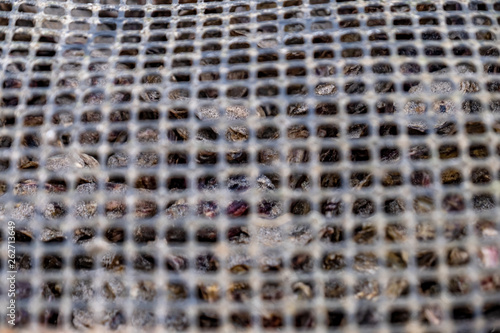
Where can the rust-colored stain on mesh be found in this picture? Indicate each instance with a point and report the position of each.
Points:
(293, 165)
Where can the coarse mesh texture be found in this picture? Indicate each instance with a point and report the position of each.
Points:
(277, 164)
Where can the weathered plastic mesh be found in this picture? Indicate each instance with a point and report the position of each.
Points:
(281, 164)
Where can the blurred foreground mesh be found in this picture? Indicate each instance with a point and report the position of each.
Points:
(185, 165)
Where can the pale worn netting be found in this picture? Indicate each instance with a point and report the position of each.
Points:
(291, 164)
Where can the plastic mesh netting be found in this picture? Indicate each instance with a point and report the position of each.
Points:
(184, 165)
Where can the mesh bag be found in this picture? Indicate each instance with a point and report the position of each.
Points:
(192, 165)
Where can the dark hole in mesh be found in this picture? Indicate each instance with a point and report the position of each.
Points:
(52, 262)
(207, 235)
(272, 321)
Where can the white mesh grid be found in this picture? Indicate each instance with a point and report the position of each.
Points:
(337, 162)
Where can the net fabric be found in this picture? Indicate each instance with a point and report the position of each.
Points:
(303, 165)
